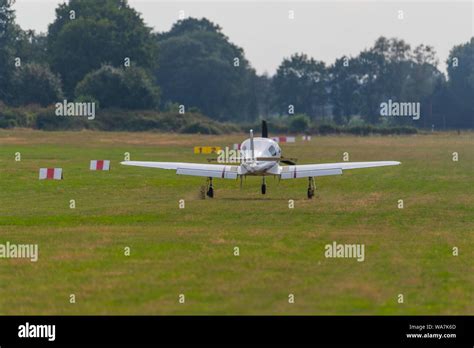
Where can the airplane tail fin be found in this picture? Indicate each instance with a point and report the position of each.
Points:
(264, 129)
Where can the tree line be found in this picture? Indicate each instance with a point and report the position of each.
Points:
(102, 52)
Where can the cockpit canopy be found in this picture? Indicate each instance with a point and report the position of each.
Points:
(264, 147)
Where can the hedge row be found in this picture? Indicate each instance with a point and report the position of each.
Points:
(326, 129)
(113, 120)
(330, 129)
(192, 123)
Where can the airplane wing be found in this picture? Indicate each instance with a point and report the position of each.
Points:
(194, 169)
(308, 170)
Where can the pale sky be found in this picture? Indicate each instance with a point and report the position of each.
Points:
(324, 30)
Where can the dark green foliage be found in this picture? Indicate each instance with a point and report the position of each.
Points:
(201, 128)
(23, 117)
(112, 120)
(35, 84)
(196, 69)
(460, 91)
(31, 47)
(194, 64)
(388, 70)
(47, 120)
(265, 95)
(12, 118)
(7, 39)
(325, 129)
(364, 130)
(301, 81)
(275, 126)
(103, 32)
(344, 93)
(128, 88)
(299, 123)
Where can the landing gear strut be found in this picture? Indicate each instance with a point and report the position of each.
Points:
(210, 188)
(264, 186)
(311, 187)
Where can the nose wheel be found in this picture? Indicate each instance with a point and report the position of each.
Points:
(311, 187)
(264, 186)
(210, 188)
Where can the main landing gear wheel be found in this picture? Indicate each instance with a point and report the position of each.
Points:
(210, 192)
(264, 186)
(210, 189)
(311, 187)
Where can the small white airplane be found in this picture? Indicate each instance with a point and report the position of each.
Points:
(260, 156)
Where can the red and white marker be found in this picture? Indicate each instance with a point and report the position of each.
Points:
(51, 173)
(236, 146)
(284, 139)
(100, 165)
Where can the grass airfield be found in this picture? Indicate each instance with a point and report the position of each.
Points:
(190, 251)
